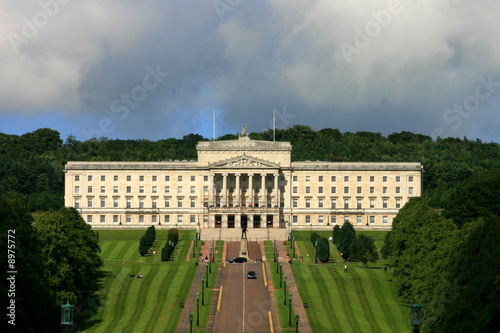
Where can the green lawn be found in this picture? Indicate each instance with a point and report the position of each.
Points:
(363, 300)
(129, 304)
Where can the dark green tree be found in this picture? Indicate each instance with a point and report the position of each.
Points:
(71, 254)
(35, 307)
(347, 235)
(386, 249)
(323, 249)
(363, 249)
(336, 233)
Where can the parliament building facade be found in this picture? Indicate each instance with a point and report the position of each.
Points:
(237, 183)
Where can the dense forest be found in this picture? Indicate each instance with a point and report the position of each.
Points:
(31, 165)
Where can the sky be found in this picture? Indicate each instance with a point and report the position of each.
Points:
(156, 69)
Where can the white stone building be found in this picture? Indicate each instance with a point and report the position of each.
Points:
(241, 182)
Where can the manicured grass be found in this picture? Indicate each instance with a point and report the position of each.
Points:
(130, 304)
(279, 294)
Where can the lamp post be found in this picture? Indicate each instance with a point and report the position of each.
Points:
(284, 293)
(67, 314)
(290, 309)
(416, 317)
(206, 272)
(194, 248)
(316, 252)
(293, 246)
(202, 289)
(296, 323)
(281, 273)
(171, 244)
(197, 309)
(190, 323)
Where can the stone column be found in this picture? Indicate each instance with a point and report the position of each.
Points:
(250, 189)
(263, 190)
(224, 190)
(211, 190)
(276, 189)
(237, 202)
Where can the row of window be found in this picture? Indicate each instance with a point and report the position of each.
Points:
(321, 203)
(192, 190)
(333, 219)
(141, 219)
(359, 179)
(141, 178)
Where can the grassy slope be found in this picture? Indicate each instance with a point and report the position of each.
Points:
(150, 304)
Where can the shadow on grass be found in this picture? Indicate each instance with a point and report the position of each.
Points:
(85, 311)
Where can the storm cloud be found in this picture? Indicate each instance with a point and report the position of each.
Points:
(158, 69)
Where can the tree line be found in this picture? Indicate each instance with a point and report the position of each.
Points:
(32, 164)
(447, 261)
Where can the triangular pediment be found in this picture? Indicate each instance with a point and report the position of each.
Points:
(244, 161)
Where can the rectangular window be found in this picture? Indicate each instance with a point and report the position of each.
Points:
(295, 219)
(398, 179)
(384, 190)
(294, 178)
(346, 190)
(410, 179)
(77, 202)
(384, 179)
(89, 218)
(295, 189)
(346, 203)
(320, 219)
(103, 202)
(308, 218)
(141, 218)
(372, 179)
(89, 178)
(77, 178)
(359, 219)
(398, 203)
(192, 218)
(359, 203)
(179, 202)
(193, 189)
(410, 190)
(372, 203)
(103, 189)
(179, 178)
(153, 218)
(372, 219)
(154, 178)
(115, 218)
(103, 178)
(179, 189)
(346, 179)
(129, 202)
(89, 189)
(154, 189)
(346, 218)
(115, 202)
(90, 202)
(103, 218)
(179, 218)
(334, 190)
(141, 202)
(384, 203)
(334, 179)
(129, 178)
(205, 189)
(359, 190)
(372, 190)
(141, 178)
(308, 178)
(320, 178)
(167, 189)
(308, 189)
(128, 218)
(154, 202)
(141, 189)
(77, 189)
(385, 219)
(193, 202)
(295, 203)
(359, 178)
(308, 203)
(320, 190)
(129, 189)
(166, 218)
(333, 219)
(205, 178)
(334, 203)
(193, 178)
(115, 189)
(321, 203)
(167, 179)
(398, 190)
(115, 178)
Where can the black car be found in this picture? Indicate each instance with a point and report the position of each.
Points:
(251, 275)
(238, 259)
